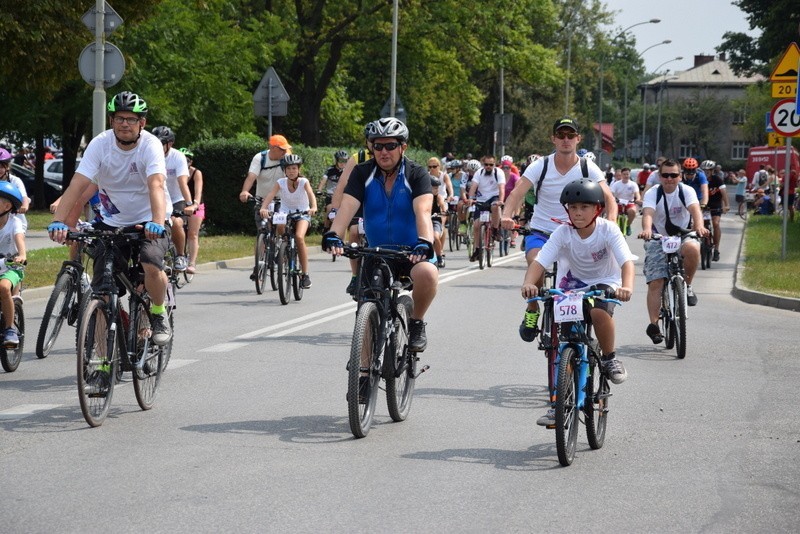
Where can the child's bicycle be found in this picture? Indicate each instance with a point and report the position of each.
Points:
(10, 358)
(290, 276)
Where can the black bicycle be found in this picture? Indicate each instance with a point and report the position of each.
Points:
(380, 339)
(10, 358)
(290, 275)
(112, 341)
(265, 252)
(453, 238)
(707, 242)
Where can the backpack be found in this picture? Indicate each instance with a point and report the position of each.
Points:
(584, 172)
(264, 161)
(670, 227)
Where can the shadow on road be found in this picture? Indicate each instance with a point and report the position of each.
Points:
(523, 396)
(534, 458)
(295, 429)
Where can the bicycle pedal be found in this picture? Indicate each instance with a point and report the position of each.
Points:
(422, 370)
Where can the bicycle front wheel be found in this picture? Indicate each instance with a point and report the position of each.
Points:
(148, 362)
(10, 358)
(595, 407)
(55, 313)
(679, 309)
(363, 369)
(488, 244)
(260, 268)
(401, 364)
(97, 362)
(567, 406)
(667, 318)
(297, 277)
(284, 274)
(271, 265)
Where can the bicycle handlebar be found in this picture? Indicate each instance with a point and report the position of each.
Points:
(354, 250)
(606, 295)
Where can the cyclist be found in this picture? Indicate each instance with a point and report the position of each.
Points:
(12, 249)
(195, 185)
(594, 253)
(667, 209)
(551, 174)
(6, 176)
(126, 163)
(393, 188)
(296, 195)
(437, 210)
(178, 187)
(717, 201)
(488, 189)
(265, 170)
(697, 179)
(627, 194)
(641, 178)
(330, 180)
(653, 178)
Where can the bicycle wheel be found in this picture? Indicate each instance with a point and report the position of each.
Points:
(666, 317)
(452, 232)
(260, 268)
(468, 242)
(10, 358)
(55, 313)
(148, 362)
(297, 278)
(367, 345)
(679, 309)
(488, 245)
(743, 210)
(400, 365)
(567, 406)
(97, 362)
(595, 408)
(284, 274)
(271, 265)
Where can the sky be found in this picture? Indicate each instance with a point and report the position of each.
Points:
(694, 26)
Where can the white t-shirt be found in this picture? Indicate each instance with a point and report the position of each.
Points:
(624, 191)
(8, 247)
(653, 179)
(598, 259)
(267, 177)
(489, 183)
(121, 176)
(17, 182)
(678, 213)
(548, 200)
(293, 200)
(176, 166)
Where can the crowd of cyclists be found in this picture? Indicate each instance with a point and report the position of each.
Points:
(562, 205)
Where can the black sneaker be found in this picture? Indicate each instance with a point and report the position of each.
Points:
(417, 340)
(97, 383)
(162, 333)
(716, 255)
(475, 254)
(440, 262)
(351, 287)
(253, 275)
(528, 330)
(614, 370)
(691, 298)
(305, 281)
(654, 333)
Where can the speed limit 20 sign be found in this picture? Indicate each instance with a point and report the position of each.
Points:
(784, 118)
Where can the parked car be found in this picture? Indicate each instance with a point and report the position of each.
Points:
(51, 191)
(54, 171)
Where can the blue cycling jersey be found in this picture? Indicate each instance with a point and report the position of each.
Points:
(698, 180)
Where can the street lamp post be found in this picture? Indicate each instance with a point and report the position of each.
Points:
(644, 108)
(599, 140)
(625, 114)
(660, 100)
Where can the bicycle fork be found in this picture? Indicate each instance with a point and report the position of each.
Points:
(583, 372)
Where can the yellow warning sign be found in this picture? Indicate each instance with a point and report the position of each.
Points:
(774, 139)
(786, 69)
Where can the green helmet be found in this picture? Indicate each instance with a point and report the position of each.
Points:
(127, 101)
(186, 152)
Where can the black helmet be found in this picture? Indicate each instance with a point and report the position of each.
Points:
(341, 155)
(291, 159)
(127, 101)
(164, 134)
(434, 181)
(583, 190)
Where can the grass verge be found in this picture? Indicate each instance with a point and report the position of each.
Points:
(764, 270)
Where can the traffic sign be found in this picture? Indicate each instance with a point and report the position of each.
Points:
(113, 64)
(111, 20)
(786, 69)
(271, 86)
(399, 108)
(784, 118)
(784, 89)
(775, 140)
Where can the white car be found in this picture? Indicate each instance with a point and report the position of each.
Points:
(54, 171)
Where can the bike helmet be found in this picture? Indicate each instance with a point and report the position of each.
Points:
(291, 159)
(473, 165)
(5, 156)
(164, 134)
(341, 155)
(582, 152)
(186, 152)
(127, 101)
(387, 127)
(435, 181)
(10, 192)
(506, 159)
(708, 165)
(590, 156)
(646, 167)
(690, 163)
(583, 190)
(454, 164)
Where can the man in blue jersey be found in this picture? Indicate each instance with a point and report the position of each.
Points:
(396, 197)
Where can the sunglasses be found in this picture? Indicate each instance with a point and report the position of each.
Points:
(670, 174)
(388, 146)
(488, 164)
(433, 166)
(566, 135)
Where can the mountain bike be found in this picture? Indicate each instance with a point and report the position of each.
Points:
(485, 235)
(453, 237)
(707, 242)
(10, 358)
(69, 293)
(265, 251)
(577, 383)
(112, 341)
(290, 275)
(379, 347)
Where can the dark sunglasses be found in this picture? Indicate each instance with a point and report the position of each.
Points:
(388, 146)
(687, 171)
(670, 174)
(488, 164)
(566, 135)
(433, 166)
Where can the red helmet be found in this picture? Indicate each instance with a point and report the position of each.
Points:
(690, 163)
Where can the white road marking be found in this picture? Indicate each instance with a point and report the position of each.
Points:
(24, 410)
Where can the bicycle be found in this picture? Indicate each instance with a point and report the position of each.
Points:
(672, 315)
(485, 236)
(453, 236)
(707, 242)
(622, 217)
(576, 381)
(288, 262)
(10, 358)
(70, 291)
(747, 206)
(504, 242)
(112, 341)
(265, 251)
(379, 348)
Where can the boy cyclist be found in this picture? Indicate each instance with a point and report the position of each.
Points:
(592, 251)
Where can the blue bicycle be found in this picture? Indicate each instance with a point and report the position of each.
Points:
(577, 382)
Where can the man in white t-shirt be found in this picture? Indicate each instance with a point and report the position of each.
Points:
(668, 208)
(488, 189)
(126, 165)
(627, 195)
(265, 171)
(550, 175)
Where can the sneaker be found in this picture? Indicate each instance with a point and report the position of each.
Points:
(417, 340)
(190, 269)
(691, 298)
(475, 254)
(181, 263)
(253, 275)
(528, 330)
(628, 230)
(162, 334)
(614, 370)
(440, 262)
(654, 333)
(351, 287)
(716, 255)
(11, 338)
(305, 281)
(548, 419)
(98, 382)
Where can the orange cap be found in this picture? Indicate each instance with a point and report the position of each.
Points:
(280, 142)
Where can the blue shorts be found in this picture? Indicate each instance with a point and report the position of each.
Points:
(536, 239)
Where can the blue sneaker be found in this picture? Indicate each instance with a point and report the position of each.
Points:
(11, 338)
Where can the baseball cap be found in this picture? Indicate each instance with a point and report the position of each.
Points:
(280, 142)
(566, 122)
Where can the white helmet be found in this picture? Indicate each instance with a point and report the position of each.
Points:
(506, 159)
(590, 156)
(708, 164)
(387, 127)
(473, 165)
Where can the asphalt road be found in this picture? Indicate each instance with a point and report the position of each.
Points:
(250, 432)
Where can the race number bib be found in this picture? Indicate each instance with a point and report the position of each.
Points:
(671, 244)
(568, 308)
(279, 218)
(486, 216)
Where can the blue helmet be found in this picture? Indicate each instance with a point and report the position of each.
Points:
(10, 192)
(582, 152)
